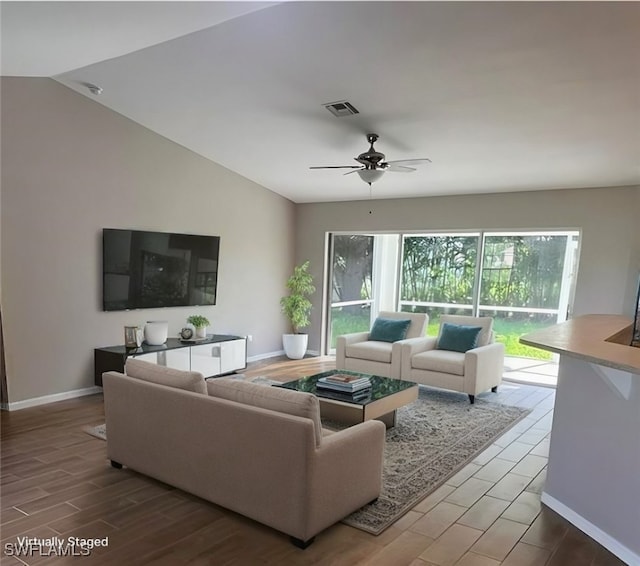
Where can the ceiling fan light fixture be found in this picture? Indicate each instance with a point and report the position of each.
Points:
(370, 175)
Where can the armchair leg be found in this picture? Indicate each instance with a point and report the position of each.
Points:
(472, 399)
(494, 389)
(302, 544)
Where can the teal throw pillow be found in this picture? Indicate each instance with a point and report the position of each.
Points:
(458, 338)
(389, 330)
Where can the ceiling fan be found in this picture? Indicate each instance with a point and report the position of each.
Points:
(372, 164)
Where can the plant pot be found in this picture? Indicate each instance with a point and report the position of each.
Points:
(295, 345)
(201, 332)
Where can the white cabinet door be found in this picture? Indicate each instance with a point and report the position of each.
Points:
(206, 359)
(152, 358)
(233, 355)
(177, 359)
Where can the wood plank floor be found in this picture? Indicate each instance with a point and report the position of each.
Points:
(56, 482)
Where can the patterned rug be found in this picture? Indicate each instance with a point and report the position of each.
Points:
(434, 438)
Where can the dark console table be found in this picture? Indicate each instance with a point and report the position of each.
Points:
(218, 354)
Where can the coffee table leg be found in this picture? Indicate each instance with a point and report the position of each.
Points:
(389, 419)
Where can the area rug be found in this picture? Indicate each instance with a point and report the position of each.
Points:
(434, 438)
(99, 431)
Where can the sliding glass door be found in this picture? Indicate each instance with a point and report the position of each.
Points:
(526, 283)
(524, 280)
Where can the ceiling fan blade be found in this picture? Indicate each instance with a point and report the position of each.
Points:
(409, 161)
(358, 169)
(338, 167)
(399, 168)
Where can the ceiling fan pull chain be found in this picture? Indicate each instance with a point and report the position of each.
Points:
(370, 198)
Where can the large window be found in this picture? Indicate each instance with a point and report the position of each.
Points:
(438, 275)
(523, 280)
(525, 284)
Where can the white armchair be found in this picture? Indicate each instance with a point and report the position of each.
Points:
(356, 352)
(470, 372)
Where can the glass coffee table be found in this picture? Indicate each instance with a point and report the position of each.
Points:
(386, 396)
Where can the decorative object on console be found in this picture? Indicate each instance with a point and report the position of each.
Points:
(297, 307)
(201, 323)
(187, 333)
(131, 337)
(156, 332)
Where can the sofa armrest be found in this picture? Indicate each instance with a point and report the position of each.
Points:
(346, 473)
(411, 345)
(420, 344)
(343, 341)
(484, 367)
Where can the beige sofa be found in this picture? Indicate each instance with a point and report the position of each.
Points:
(257, 450)
(471, 372)
(355, 352)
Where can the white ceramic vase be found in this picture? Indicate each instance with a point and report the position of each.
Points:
(156, 332)
(295, 345)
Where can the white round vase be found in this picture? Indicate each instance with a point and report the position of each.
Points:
(156, 332)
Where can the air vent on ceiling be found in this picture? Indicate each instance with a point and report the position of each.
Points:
(341, 108)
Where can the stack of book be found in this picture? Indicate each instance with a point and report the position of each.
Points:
(344, 384)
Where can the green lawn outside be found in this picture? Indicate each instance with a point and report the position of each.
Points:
(508, 332)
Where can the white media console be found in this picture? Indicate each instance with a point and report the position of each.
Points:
(218, 354)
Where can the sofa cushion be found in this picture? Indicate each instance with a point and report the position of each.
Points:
(373, 351)
(389, 330)
(443, 361)
(278, 399)
(187, 380)
(486, 322)
(458, 337)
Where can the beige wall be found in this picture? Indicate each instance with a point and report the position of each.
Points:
(607, 219)
(71, 167)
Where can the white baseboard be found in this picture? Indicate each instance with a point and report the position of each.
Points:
(612, 545)
(53, 398)
(275, 355)
(266, 356)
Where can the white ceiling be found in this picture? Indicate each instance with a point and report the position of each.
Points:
(501, 96)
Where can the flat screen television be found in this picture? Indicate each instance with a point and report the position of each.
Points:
(145, 270)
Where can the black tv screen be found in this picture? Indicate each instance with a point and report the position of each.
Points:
(144, 270)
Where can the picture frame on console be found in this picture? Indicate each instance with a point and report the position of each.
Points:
(131, 337)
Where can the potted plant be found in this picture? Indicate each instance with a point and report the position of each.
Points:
(200, 323)
(296, 307)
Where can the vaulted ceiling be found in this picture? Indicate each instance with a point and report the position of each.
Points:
(501, 96)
